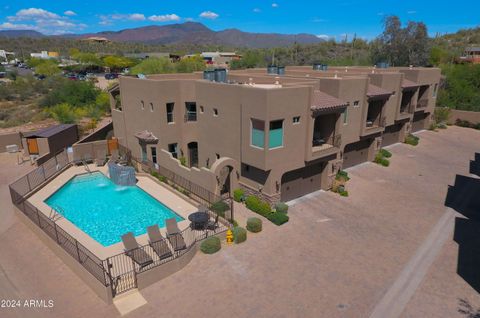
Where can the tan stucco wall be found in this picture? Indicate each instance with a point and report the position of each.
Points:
(10, 139)
(473, 117)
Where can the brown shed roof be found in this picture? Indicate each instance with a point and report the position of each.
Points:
(323, 102)
(48, 132)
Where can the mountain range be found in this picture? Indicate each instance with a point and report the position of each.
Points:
(188, 32)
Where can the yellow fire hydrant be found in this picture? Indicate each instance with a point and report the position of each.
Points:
(229, 237)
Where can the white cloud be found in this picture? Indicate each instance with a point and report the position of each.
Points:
(164, 18)
(12, 26)
(208, 15)
(274, 5)
(69, 13)
(33, 14)
(411, 12)
(257, 10)
(324, 36)
(129, 16)
(43, 21)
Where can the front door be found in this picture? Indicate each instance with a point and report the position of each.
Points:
(32, 146)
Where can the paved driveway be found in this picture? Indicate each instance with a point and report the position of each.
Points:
(336, 257)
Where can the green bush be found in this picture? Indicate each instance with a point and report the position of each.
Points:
(183, 161)
(342, 175)
(254, 225)
(281, 207)
(385, 162)
(155, 174)
(256, 205)
(239, 235)
(238, 194)
(378, 158)
(162, 179)
(219, 208)
(211, 245)
(442, 126)
(343, 193)
(278, 218)
(412, 140)
(385, 153)
(234, 223)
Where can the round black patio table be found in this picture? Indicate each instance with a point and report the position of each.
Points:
(199, 220)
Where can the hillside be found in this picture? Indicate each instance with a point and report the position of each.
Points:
(191, 33)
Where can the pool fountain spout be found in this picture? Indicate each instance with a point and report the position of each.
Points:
(122, 175)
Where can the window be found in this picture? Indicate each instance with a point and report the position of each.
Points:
(258, 133)
(217, 155)
(275, 134)
(201, 109)
(345, 116)
(435, 88)
(143, 104)
(190, 111)
(170, 107)
(296, 119)
(173, 149)
(356, 103)
(215, 112)
(154, 154)
(151, 107)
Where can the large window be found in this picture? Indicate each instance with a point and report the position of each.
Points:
(190, 111)
(258, 133)
(154, 154)
(170, 107)
(275, 135)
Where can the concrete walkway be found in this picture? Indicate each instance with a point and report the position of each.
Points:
(402, 290)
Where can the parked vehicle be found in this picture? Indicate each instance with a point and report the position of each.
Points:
(3, 74)
(111, 76)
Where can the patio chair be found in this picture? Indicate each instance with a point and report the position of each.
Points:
(134, 251)
(212, 225)
(175, 236)
(158, 242)
(101, 159)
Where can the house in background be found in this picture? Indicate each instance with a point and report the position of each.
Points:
(471, 55)
(45, 55)
(43, 144)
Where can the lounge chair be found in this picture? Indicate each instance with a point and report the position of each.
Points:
(212, 225)
(134, 250)
(101, 159)
(175, 236)
(158, 242)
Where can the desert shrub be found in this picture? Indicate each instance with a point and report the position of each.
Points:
(162, 179)
(254, 225)
(433, 126)
(256, 205)
(412, 140)
(281, 207)
(234, 223)
(342, 175)
(239, 235)
(183, 161)
(385, 153)
(210, 245)
(155, 174)
(278, 218)
(219, 208)
(441, 114)
(64, 113)
(442, 126)
(238, 194)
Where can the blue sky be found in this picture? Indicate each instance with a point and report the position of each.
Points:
(322, 18)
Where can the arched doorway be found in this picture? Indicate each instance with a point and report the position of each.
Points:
(226, 172)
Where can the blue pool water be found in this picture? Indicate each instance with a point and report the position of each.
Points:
(106, 211)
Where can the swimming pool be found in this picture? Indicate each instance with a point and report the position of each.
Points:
(106, 211)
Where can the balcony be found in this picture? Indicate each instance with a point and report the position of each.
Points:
(325, 147)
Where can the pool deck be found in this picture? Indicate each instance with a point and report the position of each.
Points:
(159, 192)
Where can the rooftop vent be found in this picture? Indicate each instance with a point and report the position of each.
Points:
(320, 67)
(220, 75)
(382, 65)
(209, 75)
(272, 69)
